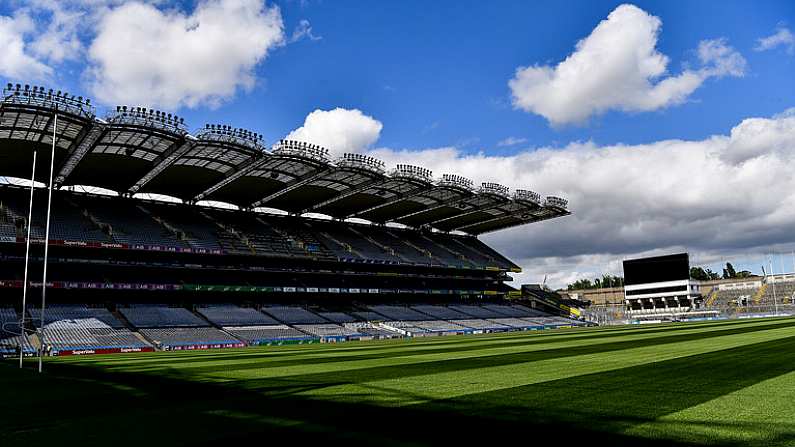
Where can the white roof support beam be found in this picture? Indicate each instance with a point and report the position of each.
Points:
(292, 185)
(81, 148)
(231, 177)
(353, 191)
(164, 160)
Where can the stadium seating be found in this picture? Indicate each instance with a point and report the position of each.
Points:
(178, 337)
(373, 330)
(438, 326)
(511, 311)
(481, 324)
(255, 335)
(82, 336)
(337, 317)
(398, 313)
(440, 312)
(517, 323)
(196, 231)
(367, 315)
(145, 316)
(477, 311)
(231, 315)
(10, 335)
(128, 222)
(294, 315)
(57, 313)
(328, 330)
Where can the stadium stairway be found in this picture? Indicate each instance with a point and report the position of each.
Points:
(229, 231)
(447, 249)
(344, 246)
(419, 249)
(387, 249)
(474, 250)
(178, 233)
(757, 299)
(713, 296)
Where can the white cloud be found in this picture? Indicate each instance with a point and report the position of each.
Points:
(143, 55)
(511, 141)
(783, 37)
(59, 40)
(617, 67)
(303, 30)
(17, 60)
(731, 194)
(339, 130)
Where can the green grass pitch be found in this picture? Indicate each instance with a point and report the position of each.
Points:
(716, 383)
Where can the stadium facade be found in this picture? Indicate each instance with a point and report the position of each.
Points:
(116, 254)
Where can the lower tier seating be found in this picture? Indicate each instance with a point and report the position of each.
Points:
(481, 324)
(230, 315)
(517, 323)
(266, 334)
(178, 337)
(327, 330)
(142, 316)
(62, 338)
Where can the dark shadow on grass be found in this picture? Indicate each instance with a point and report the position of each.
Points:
(78, 402)
(402, 348)
(432, 367)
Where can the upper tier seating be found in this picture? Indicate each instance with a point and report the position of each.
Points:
(398, 313)
(294, 315)
(349, 243)
(198, 232)
(129, 222)
(188, 336)
(231, 315)
(93, 218)
(265, 334)
(144, 316)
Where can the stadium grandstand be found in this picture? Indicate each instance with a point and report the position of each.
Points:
(398, 254)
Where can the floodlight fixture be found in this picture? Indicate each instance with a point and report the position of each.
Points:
(456, 181)
(360, 161)
(556, 202)
(495, 189)
(525, 195)
(38, 96)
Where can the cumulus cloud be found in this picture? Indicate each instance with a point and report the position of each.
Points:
(617, 67)
(168, 58)
(17, 59)
(339, 130)
(726, 195)
(783, 37)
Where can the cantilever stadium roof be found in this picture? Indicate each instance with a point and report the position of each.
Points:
(142, 150)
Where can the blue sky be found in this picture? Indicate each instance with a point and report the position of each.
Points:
(437, 75)
(444, 83)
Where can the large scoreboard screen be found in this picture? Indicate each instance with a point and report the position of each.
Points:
(657, 269)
